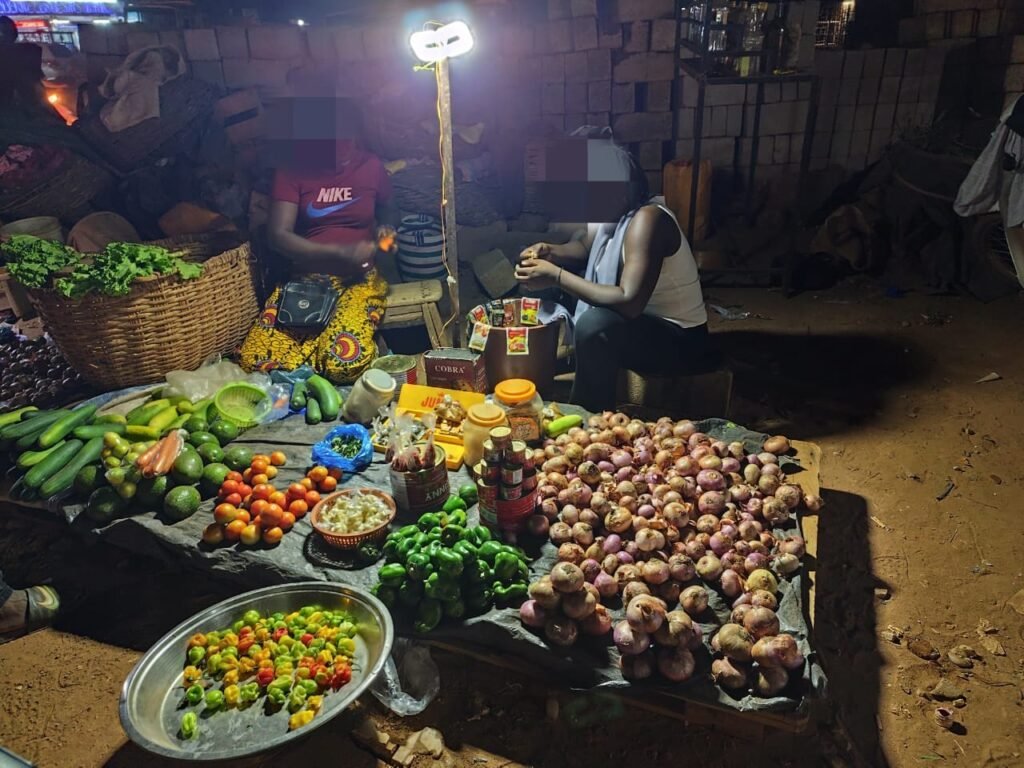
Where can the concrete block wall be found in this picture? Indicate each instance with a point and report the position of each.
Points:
(936, 22)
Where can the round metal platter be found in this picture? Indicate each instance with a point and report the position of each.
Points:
(151, 698)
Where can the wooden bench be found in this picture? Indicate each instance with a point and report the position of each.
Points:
(414, 304)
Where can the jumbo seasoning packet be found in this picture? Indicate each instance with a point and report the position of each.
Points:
(478, 340)
(511, 307)
(478, 314)
(517, 342)
(529, 313)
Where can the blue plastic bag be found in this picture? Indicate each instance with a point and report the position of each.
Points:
(328, 457)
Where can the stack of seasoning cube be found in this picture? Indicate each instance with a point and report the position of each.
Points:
(507, 479)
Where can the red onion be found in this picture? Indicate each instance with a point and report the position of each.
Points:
(754, 460)
(630, 641)
(623, 473)
(574, 454)
(768, 484)
(621, 458)
(731, 467)
(695, 550)
(579, 605)
(624, 557)
(676, 629)
(700, 452)
(669, 592)
(630, 503)
(619, 520)
(741, 548)
(697, 438)
(627, 574)
(677, 664)
(709, 567)
(720, 448)
(761, 622)
(606, 584)
(643, 457)
(769, 681)
(721, 543)
(595, 551)
(609, 564)
(561, 630)
(634, 589)
(694, 600)
(790, 495)
(532, 614)
(786, 564)
(711, 480)
(749, 530)
(567, 578)
(813, 502)
(570, 514)
(778, 651)
(686, 466)
(538, 525)
(739, 493)
(708, 524)
(647, 511)
(645, 612)
(571, 553)
(590, 517)
(681, 568)
(597, 623)
(754, 561)
(612, 543)
(638, 667)
(751, 474)
(655, 571)
(734, 641)
(688, 488)
(772, 470)
(792, 545)
(606, 466)
(732, 583)
(711, 503)
(767, 540)
(649, 540)
(625, 488)
(762, 598)
(560, 533)
(763, 579)
(766, 458)
(774, 511)
(549, 508)
(704, 538)
(583, 534)
(589, 473)
(590, 569)
(733, 561)
(729, 674)
(740, 612)
(710, 462)
(752, 507)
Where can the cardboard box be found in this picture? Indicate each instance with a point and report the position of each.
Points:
(458, 369)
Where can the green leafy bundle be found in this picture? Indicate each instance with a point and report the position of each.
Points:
(31, 260)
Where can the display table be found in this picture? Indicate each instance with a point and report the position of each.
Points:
(497, 636)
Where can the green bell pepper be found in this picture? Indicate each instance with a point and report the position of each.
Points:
(194, 694)
(391, 551)
(214, 699)
(410, 593)
(447, 562)
(476, 535)
(466, 551)
(418, 566)
(453, 503)
(196, 654)
(406, 547)
(406, 531)
(385, 594)
(434, 537)
(451, 534)
(522, 572)
(505, 566)
(428, 616)
(440, 587)
(478, 572)
(392, 575)
(249, 693)
(189, 725)
(458, 517)
(479, 600)
(514, 594)
(488, 551)
(428, 521)
(454, 609)
(516, 551)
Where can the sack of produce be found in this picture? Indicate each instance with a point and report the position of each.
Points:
(346, 447)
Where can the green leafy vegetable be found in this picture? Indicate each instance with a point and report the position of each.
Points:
(32, 260)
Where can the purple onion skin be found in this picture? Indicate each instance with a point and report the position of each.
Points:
(606, 585)
(532, 615)
(638, 667)
(629, 641)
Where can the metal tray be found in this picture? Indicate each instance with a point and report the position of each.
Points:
(150, 705)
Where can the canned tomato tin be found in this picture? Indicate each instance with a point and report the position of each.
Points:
(511, 474)
(517, 453)
(510, 492)
(488, 493)
(501, 437)
(491, 473)
(529, 480)
(421, 491)
(492, 454)
(528, 464)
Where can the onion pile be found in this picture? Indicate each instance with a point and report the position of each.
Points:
(564, 605)
(658, 513)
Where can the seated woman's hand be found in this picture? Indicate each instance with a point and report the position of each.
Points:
(364, 254)
(387, 239)
(537, 274)
(536, 251)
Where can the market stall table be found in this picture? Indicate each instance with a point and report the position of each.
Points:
(497, 636)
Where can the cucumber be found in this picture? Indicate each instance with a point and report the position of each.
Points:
(110, 418)
(89, 431)
(313, 415)
(298, 401)
(29, 459)
(30, 440)
(562, 425)
(326, 396)
(53, 463)
(13, 417)
(65, 424)
(64, 478)
(164, 418)
(142, 414)
(34, 424)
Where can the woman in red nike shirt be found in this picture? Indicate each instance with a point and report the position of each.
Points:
(324, 221)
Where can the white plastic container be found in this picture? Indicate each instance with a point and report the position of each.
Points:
(374, 389)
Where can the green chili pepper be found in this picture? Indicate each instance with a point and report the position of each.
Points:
(428, 521)
(189, 725)
(479, 600)
(387, 595)
(251, 617)
(418, 566)
(515, 593)
(477, 535)
(194, 694)
(410, 593)
(450, 534)
(453, 503)
(277, 696)
(249, 693)
(505, 566)
(214, 699)
(310, 687)
(478, 572)
(454, 609)
(196, 654)
(392, 575)
(428, 616)
(466, 551)
(440, 587)
(447, 562)
(488, 551)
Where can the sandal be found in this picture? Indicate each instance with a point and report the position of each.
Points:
(43, 605)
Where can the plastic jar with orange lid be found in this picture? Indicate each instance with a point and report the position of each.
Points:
(523, 406)
(480, 420)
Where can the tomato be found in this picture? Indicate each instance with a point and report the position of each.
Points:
(229, 486)
(296, 491)
(299, 507)
(258, 506)
(262, 491)
(236, 476)
(317, 474)
(244, 490)
(261, 457)
(244, 516)
(312, 498)
(246, 476)
(328, 484)
(259, 466)
(250, 535)
(213, 534)
(272, 515)
(287, 521)
(306, 483)
(233, 530)
(271, 472)
(259, 479)
(225, 513)
(278, 459)
(278, 498)
(233, 498)
(272, 536)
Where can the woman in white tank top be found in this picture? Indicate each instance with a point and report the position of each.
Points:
(640, 304)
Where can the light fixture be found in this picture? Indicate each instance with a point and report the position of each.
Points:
(300, 22)
(53, 98)
(445, 42)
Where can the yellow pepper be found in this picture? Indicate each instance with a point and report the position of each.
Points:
(228, 662)
(246, 666)
(317, 617)
(266, 663)
(262, 635)
(231, 678)
(197, 640)
(229, 639)
(325, 657)
(300, 719)
(191, 675)
(347, 645)
(313, 703)
(231, 695)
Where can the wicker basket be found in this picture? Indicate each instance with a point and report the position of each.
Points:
(164, 324)
(352, 540)
(65, 194)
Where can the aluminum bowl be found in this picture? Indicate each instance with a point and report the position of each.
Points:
(150, 705)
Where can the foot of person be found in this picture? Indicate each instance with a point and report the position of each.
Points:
(28, 610)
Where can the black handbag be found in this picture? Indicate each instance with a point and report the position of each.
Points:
(307, 305)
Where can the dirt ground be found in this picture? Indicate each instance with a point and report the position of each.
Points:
(918, 539)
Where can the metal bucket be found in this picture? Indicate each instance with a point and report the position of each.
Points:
(422, 491)
(537, 366)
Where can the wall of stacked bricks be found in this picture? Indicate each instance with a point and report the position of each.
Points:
(615, 69)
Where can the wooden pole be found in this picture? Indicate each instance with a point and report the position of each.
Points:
(451, 250)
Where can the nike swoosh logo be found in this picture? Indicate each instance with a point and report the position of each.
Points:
(319, 213)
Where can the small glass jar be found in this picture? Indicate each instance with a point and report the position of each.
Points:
(370, 393)
(480, 420)
(524, 407)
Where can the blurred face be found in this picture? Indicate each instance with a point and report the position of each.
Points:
(582, 180)
(313, 134)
